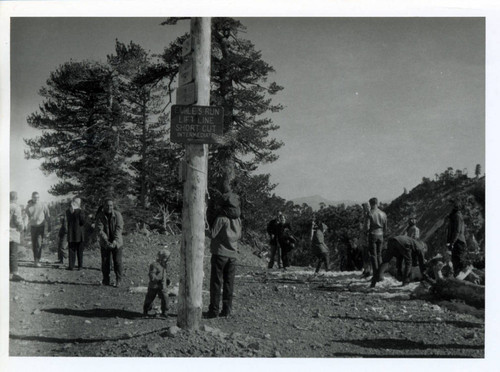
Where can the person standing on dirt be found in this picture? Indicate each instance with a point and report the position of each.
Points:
(39, 216)
(110, 227)
(225, 234)
(413, 231)
(158, 283)
(367, 266)
(75, 218)
(377, 228)
(287, 242)
(62, 239)
(319, 248)
(276, 229)
(16, 225)
(456, 238)
(405, 249)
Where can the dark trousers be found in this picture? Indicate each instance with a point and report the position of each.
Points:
(458, 257)
(75, 251)
(106, 255)
(375, 250)
(323, 258)
(275, 249)
(367, 265)
(150, 297)
(222, 272)
(403, 256)
(37, 241)
(61, 246)
(284, 257)
(13, 257)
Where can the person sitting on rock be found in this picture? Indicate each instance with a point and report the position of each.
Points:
(405, 249)
(158, 283)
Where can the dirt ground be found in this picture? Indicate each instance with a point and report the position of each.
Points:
(55, 312)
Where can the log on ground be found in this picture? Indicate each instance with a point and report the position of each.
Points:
(451, 288)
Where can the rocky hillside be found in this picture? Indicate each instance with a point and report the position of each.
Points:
(430, 202)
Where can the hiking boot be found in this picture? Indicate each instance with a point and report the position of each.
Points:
(164, 314)
(105, 282)
(69, 268)
(225, 314)
(210, 315)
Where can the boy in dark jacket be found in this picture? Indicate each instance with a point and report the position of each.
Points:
(158, 283)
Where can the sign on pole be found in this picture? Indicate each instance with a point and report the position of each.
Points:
(186, 71)
(196, 124)
(187, 46)
(186, 94)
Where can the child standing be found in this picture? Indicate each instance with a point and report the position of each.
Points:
(158, 283)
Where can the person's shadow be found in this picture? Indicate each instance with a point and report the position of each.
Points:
(96, 313)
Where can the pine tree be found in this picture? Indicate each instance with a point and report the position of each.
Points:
(239, 84)
(81, 131)
(151, 158)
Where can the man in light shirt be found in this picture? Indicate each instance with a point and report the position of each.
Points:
(39, 216)
(377, 228)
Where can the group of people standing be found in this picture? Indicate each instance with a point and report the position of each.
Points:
(225, 233)
(108, 229)
(408, 248)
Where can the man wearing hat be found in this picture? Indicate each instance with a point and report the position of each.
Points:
(158, 283)
(404, 249)
(16, 225)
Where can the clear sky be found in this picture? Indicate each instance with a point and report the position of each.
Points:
(372, 105)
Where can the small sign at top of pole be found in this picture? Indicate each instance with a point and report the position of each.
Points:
(187, 46)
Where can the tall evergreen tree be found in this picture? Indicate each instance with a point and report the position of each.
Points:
(150, 155)
(239, 84)
(81, 130)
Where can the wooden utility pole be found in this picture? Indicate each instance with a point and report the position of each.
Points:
(195, 186)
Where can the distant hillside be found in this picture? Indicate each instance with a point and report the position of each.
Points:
(429, 201)
(315, 201)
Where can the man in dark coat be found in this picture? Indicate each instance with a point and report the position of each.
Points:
(110, 227)
(276, 229)
(405, 249)
(62, 239)
(75, 220)
(456, 238)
